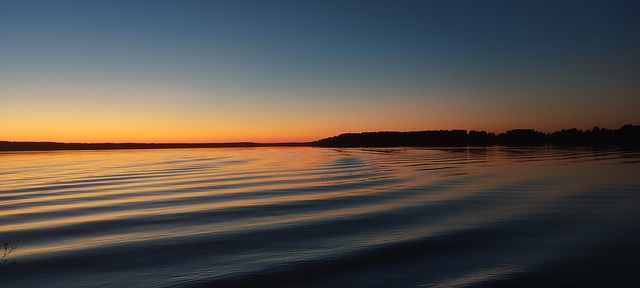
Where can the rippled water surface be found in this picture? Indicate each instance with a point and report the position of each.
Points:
(315, 217)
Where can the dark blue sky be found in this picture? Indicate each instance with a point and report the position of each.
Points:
(260, 70)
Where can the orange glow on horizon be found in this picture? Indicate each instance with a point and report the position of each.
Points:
(155, 116)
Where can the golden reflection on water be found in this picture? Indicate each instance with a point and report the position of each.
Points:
(46, 191)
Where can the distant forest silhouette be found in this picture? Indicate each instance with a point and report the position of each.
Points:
(626, 136)
(45, 146)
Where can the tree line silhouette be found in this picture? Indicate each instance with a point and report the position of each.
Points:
(46, 146)
(627, 135)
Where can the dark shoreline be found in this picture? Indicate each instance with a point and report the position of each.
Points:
(55, 146)
(626, 136)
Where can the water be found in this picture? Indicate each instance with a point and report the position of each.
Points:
(313, 217)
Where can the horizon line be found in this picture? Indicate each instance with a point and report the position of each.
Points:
(280, 143)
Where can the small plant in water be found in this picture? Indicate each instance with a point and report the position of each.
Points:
(7, 250)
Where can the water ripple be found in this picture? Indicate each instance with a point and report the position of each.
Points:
(449, 217)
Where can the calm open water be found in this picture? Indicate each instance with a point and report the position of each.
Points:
(316, 217)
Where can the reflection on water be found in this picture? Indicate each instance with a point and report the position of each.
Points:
(406, 217)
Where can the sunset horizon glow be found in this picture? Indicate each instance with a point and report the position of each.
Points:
(300, 71)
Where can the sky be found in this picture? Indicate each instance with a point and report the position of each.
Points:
(274, 71)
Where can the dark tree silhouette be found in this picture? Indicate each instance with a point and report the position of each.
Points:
(626, 136)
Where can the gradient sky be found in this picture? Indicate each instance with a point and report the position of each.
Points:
(268, 71)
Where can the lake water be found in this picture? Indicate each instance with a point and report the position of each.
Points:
(316, 217)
